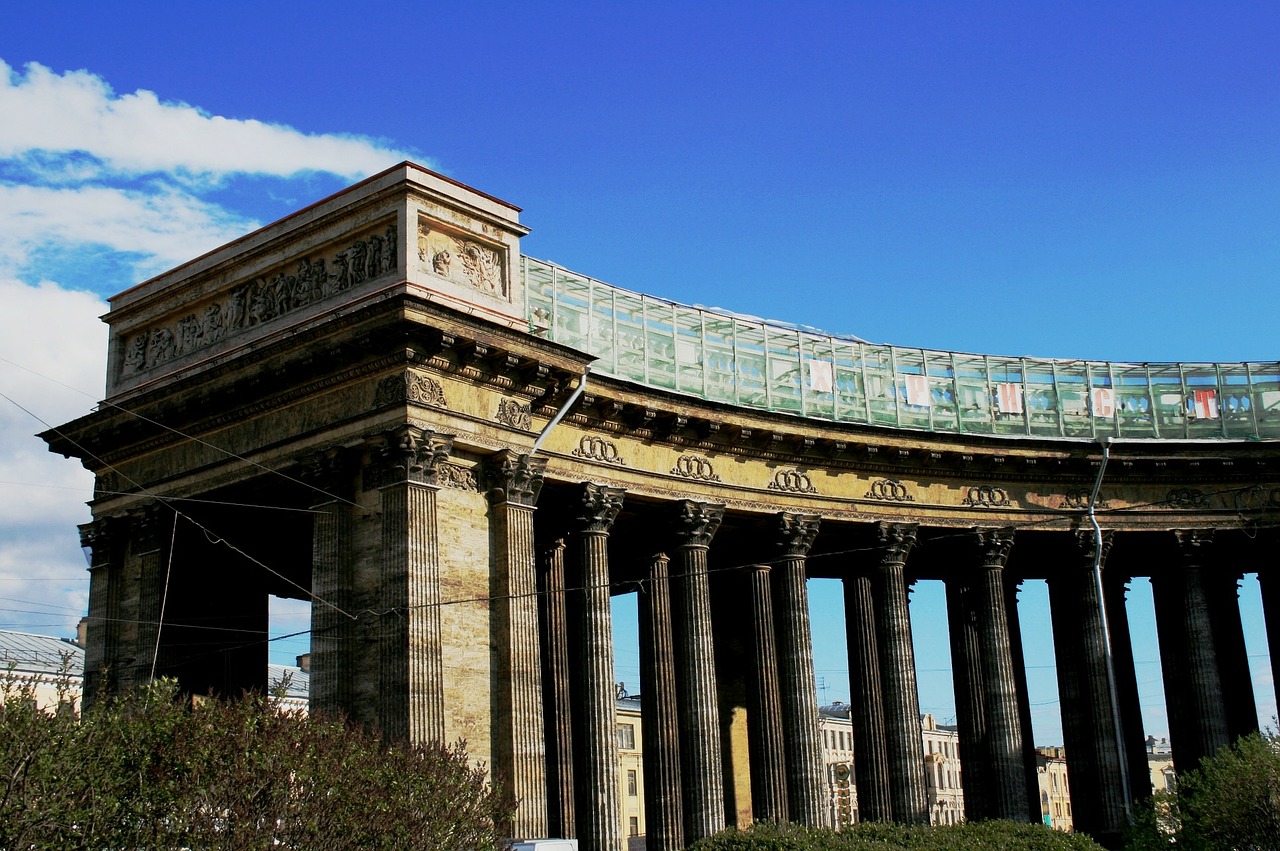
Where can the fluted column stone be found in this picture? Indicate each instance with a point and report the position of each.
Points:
(1012, 586)
(411, 662)
(1004, 741)
(870, 754)
(768, 760)
(596, 769)
(1116, 586)
(519, 747)
(695, 524)
(1095, 751)
(904, 747)
(664, 815)
(334, 643)
(101, 538)
(557, 714)
(1269, 585)
(971, 716)
(806, 798)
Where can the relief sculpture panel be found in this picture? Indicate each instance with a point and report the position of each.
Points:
(462, 260)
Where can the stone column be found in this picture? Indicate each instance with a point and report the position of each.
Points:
(1116, 586)
(664, 818)
(870, 754)
(1004, 741)
(966, 670)
(1094, 751)
(101, 649)
(334, 638)
(1269, 584)
(904, 746)
(806, 798)
(695, 524)
(519, 749)
(1012, 586)
(596, 769)
(1198, 725)
(768, 760)
(150, 534)
(557, 715)
(1223, 595)
(410, 658)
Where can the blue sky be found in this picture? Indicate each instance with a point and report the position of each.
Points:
(1061, 180)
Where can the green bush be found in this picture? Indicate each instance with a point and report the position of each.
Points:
(874, 836)
(151, 771)
(1231, 802)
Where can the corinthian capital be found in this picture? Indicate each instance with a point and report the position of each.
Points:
(697, 522)
(600, 506)
(994, 545)
(796, 533)
(896, 541)
(515, 479)
(408, 454)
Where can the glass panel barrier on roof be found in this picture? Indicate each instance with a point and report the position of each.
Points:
(755, 363)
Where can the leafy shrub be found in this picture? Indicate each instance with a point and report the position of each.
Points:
(1231, 802)
(874, 836)
(150, 771)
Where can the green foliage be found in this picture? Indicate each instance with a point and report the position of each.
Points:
(1231, 802)
(874, 836)
(148, 771)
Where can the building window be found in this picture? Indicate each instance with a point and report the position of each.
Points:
(631, 782)
(633, 825)
(627, 737)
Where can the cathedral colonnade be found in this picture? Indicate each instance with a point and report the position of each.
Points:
(460, 454)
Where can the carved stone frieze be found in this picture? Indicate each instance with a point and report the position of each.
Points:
(463, 260)
(695, 467)
(599, 507)
(598, 449)
(896, 541)
(457, 477)
(515, 478)
(796, 532)
(409, 387)
(514, 414)
(264, 299)
(792, 481)
(407, 454)
(1186, 498)
(696, 522)
(889, 490)
(986, 496)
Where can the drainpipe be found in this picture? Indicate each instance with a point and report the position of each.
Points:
(1106, 632)
(564, 409)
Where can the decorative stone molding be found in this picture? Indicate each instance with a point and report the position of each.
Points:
(889, 490)
(986, 496)
(461, 260)
(264, 299)
(514, 414)
(695, 467)
(599, 507)
(697, 522)
(409, 387)
(145, 527)
(792, 481)
(515, 478)
(1079, 500)
(598, 449)
(796, 533)
(896, 541)
(408, 454)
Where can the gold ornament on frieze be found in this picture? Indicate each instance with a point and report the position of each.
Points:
(792, 481)
(598, 449)
(986, 496)
(1080, 500)
(695, 467)
(1187, 498)
(514, 414)
(889, 490)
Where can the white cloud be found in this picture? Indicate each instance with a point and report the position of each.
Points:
(163, 226)
(78, 112)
